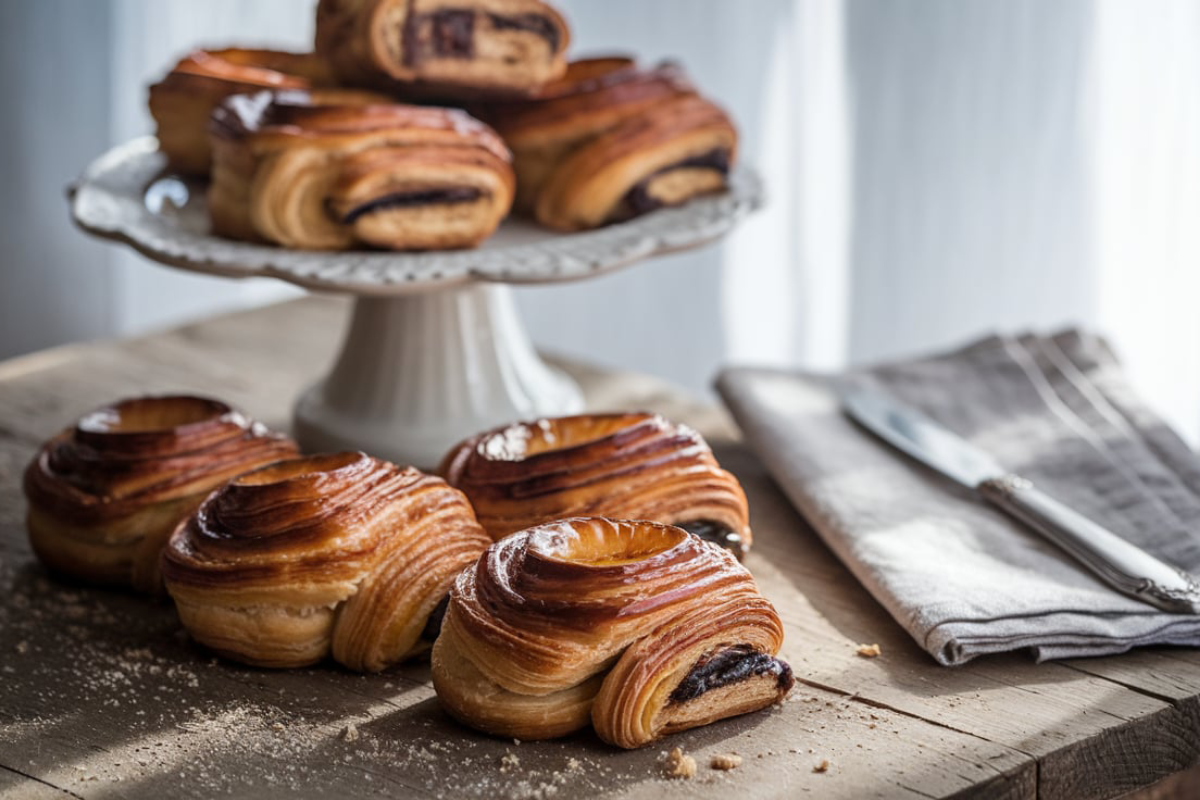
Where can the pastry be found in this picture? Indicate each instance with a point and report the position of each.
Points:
(622, 466)
(610, 142)
(593, 96)
(183, 100)
(338, 169)
(639, 628)
(337, 554)
(105, 494)
(449, 48)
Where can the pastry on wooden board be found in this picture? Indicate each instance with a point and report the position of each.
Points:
(636, 628)
(622, 466)
(338, 554)
(105, 494)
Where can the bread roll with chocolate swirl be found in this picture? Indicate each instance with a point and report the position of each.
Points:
(182, 102)
(622, 466)
(448, 48)
(338, 169)
(639, 628)
(610, 141)
(105, 494)
(338, 554)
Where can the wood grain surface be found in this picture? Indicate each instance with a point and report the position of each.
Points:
(103, 695)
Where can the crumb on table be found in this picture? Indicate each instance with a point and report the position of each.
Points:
(823, 766)
(350, 733)
(726, 761)
(868, 650)
(678, 765)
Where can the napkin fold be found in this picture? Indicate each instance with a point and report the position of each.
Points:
(963, 578)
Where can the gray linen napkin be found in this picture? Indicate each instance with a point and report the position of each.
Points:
(961, 577)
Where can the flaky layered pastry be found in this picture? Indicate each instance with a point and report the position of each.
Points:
(338, 169)
(182, 102)
(338, 554)
(639, 628)
(609, 142)
(621, 466)
(450, 48)
(105, 494)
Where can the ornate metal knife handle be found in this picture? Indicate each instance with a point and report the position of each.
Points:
(1121, 564)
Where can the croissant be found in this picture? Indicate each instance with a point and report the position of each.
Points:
(610, 142)
(449, 48)
(338, 554)
(336, 169)
(592, 97)
(640, 628)
(183, 100)
(105, 494)
(622, 466)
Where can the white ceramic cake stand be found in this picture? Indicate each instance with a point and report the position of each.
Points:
(435, 350)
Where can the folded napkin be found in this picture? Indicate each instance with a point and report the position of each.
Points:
(963, 578)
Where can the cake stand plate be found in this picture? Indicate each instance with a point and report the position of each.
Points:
(435, 350)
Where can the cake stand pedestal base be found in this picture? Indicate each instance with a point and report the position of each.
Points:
(417, 373)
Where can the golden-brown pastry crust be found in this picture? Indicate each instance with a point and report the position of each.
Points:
(446, 48)
(336, 169)
(621, 466)
(338, 554)
(183, 100)
(609, 141)
(105, 494)
(639, 628)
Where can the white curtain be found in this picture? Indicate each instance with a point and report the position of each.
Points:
(936, 169)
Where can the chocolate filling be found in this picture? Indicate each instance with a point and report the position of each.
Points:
(433, 625)
(717, 533)
(730, 666)
(451, 32)
(429, 197)
(638, 199)
(534, 23)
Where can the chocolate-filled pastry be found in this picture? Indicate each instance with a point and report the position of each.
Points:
(337, 554)
(639, 628)
(105, 494)
(592, 97)
(337, 169)
(448, 48)
(621, 466)
(677, 150)
(183, 100)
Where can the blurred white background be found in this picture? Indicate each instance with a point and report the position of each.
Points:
(937, 169)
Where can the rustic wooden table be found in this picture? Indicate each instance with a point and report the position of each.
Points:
(102, 695)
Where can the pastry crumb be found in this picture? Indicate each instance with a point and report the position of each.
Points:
(679, 765)
(350, 733)
(509, 761)
(868, 650)
(726, 762)
(823, 766)
(277, 726)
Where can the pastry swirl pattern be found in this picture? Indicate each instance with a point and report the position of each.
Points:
(337, 169)
(639, 628)
(340, 555)
(622, 466)
(105, 494)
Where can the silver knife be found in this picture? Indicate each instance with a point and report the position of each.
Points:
(1122, 565)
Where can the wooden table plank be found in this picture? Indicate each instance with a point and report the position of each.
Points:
(101, 693)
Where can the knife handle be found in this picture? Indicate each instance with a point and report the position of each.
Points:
(1122, 565)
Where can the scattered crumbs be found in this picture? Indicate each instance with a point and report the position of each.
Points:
(22, 648)
(509, 761)
(678, 765)
(574, 765)
(868, 650)
(725, 762)
(350, 733)
(823, 766)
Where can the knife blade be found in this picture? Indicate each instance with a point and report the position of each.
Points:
(1121, 564)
